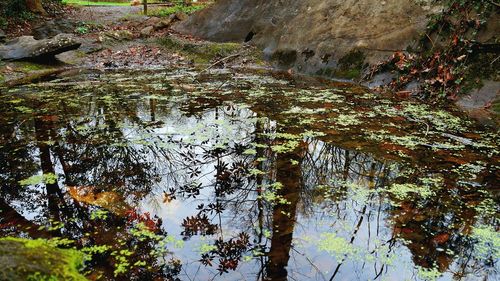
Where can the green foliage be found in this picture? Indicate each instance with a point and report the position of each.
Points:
(82, 29)
(94, 3)
(13, 10)
(450, 59)
(179, 8)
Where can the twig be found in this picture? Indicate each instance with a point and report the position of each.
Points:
(496, 4)
(493, 61)
(219, 61)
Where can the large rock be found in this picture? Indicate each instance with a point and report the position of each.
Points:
(53, 27)
(146, 31)
(314, 35)
(26, 47)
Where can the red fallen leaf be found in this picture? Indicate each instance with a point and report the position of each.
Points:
(403, 94)
(448, 76)
(407, 230)
(441, 238)
(50, 118)
(455, 40)
(457, 160)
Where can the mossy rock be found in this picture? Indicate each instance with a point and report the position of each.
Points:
(25, 259)
(351, 65)
(200, 52)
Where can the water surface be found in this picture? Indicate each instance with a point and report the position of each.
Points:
(247, 176)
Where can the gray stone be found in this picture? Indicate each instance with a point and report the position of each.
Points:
(380, 79)
(74, 57)
(314, 29)
(115, 35)
(147, 31)
(481, 98)
(27, 47)
(163, 24)
(151, 21)
(53, 27)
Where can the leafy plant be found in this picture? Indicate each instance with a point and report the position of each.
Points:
(448, 56)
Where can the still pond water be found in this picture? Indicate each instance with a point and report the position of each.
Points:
(247, 176)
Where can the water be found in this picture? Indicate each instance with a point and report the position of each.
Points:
(247, 176)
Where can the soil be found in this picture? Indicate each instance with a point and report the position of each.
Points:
(111, 38)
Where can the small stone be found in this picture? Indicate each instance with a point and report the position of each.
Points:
(118, 35)
(181, 16)
(163, 24)
(147, 31)
(152, 21)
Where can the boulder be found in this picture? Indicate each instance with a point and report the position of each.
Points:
(53, 27)
(314, 35)
(147, 31)
(27, 47)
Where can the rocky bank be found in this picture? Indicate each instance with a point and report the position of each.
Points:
(315, 36)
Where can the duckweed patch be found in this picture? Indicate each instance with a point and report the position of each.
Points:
(174, 172)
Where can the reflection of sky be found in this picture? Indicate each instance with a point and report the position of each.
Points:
(323, 165)
(318, 219)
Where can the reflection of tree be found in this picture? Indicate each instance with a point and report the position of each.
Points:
(284, 216)
(113, 145)
(436, 229)
(89, 158)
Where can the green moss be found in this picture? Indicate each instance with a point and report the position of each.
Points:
(29, 66)
(24, 259)
(200, 52)
(495, 107)
(285, 57)
(351, 65)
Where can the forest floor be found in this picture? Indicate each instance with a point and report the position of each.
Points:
(122, 37)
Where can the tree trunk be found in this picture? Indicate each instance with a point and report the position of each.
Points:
(35, 6)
